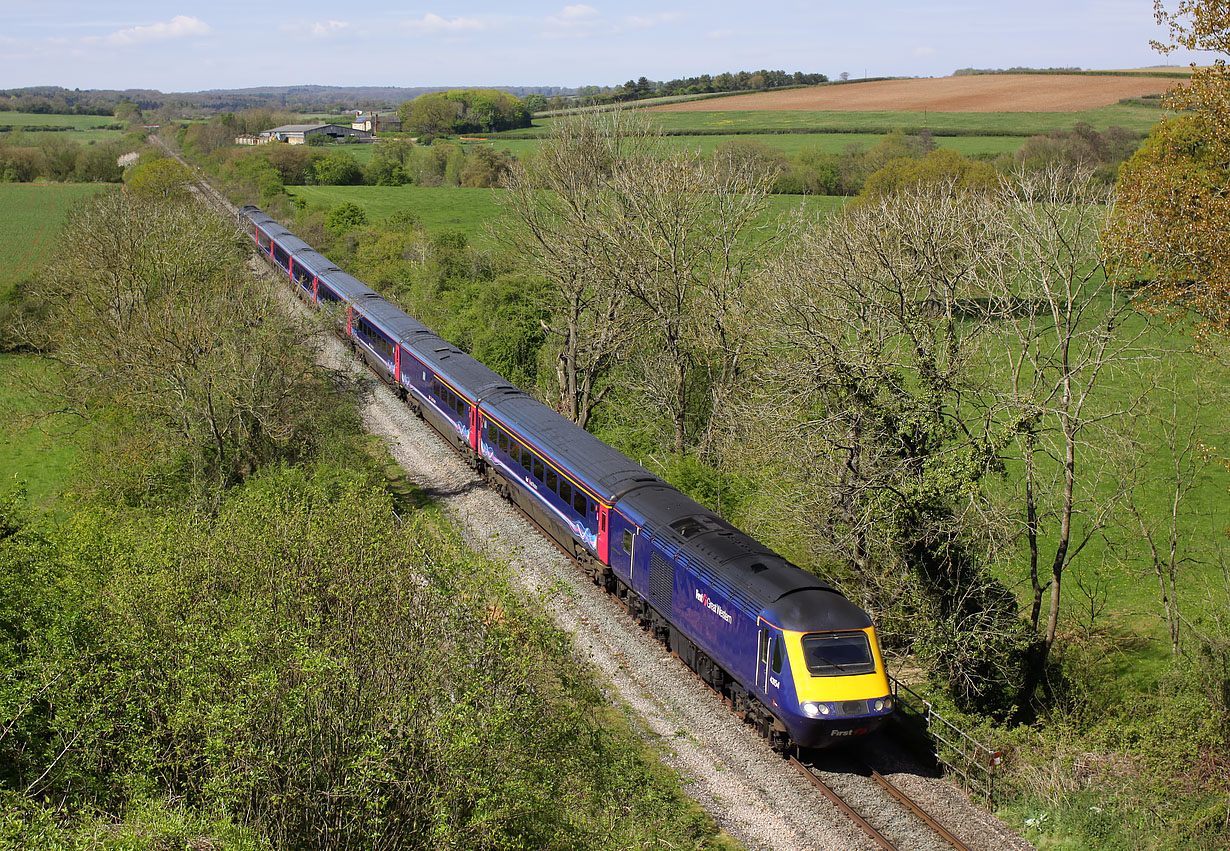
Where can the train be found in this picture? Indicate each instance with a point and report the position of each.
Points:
(788, 652)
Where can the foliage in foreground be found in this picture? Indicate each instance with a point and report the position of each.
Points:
(302, 666)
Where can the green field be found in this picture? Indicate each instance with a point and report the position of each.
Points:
(793, 143)
(471, 210)
(33, 447)
(73, 122)
(30, 217)
(1136, 118)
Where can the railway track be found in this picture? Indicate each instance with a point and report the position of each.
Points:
(879, 826)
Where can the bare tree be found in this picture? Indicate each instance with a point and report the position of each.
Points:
(682, 233)
(1068, 338)
(1160, 500)
(555, 204)
(643, 246)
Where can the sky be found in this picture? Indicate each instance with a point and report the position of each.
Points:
(188, 46)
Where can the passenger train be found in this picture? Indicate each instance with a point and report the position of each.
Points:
(788, 651)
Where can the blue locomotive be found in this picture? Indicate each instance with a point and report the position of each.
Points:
(789, 652)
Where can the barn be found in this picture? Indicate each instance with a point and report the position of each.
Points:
(297, 134)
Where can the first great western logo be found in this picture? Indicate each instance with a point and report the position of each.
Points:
(712, 606)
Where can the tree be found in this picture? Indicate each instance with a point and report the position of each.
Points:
(1172, 226)
(151, 322)
(869, 363)
(337, 169)
(1066, 345)
(555, 225)
(160, 178)
(640, 239)
(940, 166)
(346, 216)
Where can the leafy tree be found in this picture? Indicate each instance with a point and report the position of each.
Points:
(1172, 225)
(151, 322)
(942, 166)
(430, 114)
(484, 167)
(160, 178)
(346, 216)
(337, 168)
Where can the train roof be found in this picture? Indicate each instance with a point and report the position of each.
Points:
(739, 566)
(605, 471)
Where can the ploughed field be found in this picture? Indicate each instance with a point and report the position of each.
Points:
(974, 93)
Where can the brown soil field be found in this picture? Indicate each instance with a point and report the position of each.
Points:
(976, 93)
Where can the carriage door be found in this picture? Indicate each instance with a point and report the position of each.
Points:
(603, 534)
(762, 659)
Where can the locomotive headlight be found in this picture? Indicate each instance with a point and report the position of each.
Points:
(883, 704)
(811, 710)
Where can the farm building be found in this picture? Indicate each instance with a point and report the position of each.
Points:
(375, 122)
(297, 134)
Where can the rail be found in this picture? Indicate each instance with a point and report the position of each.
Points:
(960, 753)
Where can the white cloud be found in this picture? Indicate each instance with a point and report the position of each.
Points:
(324, 29)
(641, 22)
(924, 51)
(719, 34)
(181, 26)
(579, 12)
(575, 21)
(432, 23)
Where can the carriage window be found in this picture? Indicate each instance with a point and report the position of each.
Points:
(552, 480)
(579, 502)
(526, 458)
(565, 491)
(538, 474)
(504, 441)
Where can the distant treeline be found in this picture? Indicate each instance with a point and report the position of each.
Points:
(1160, 72)
(727, 81)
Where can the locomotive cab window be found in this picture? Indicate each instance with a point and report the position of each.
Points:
(777, 656)
(627, 542)
(837, 654)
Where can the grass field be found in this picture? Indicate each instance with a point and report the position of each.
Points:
(30, 217)
(1135, 118)
(793, 143)
(471, 210)
(33, 447)
(38, 119)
